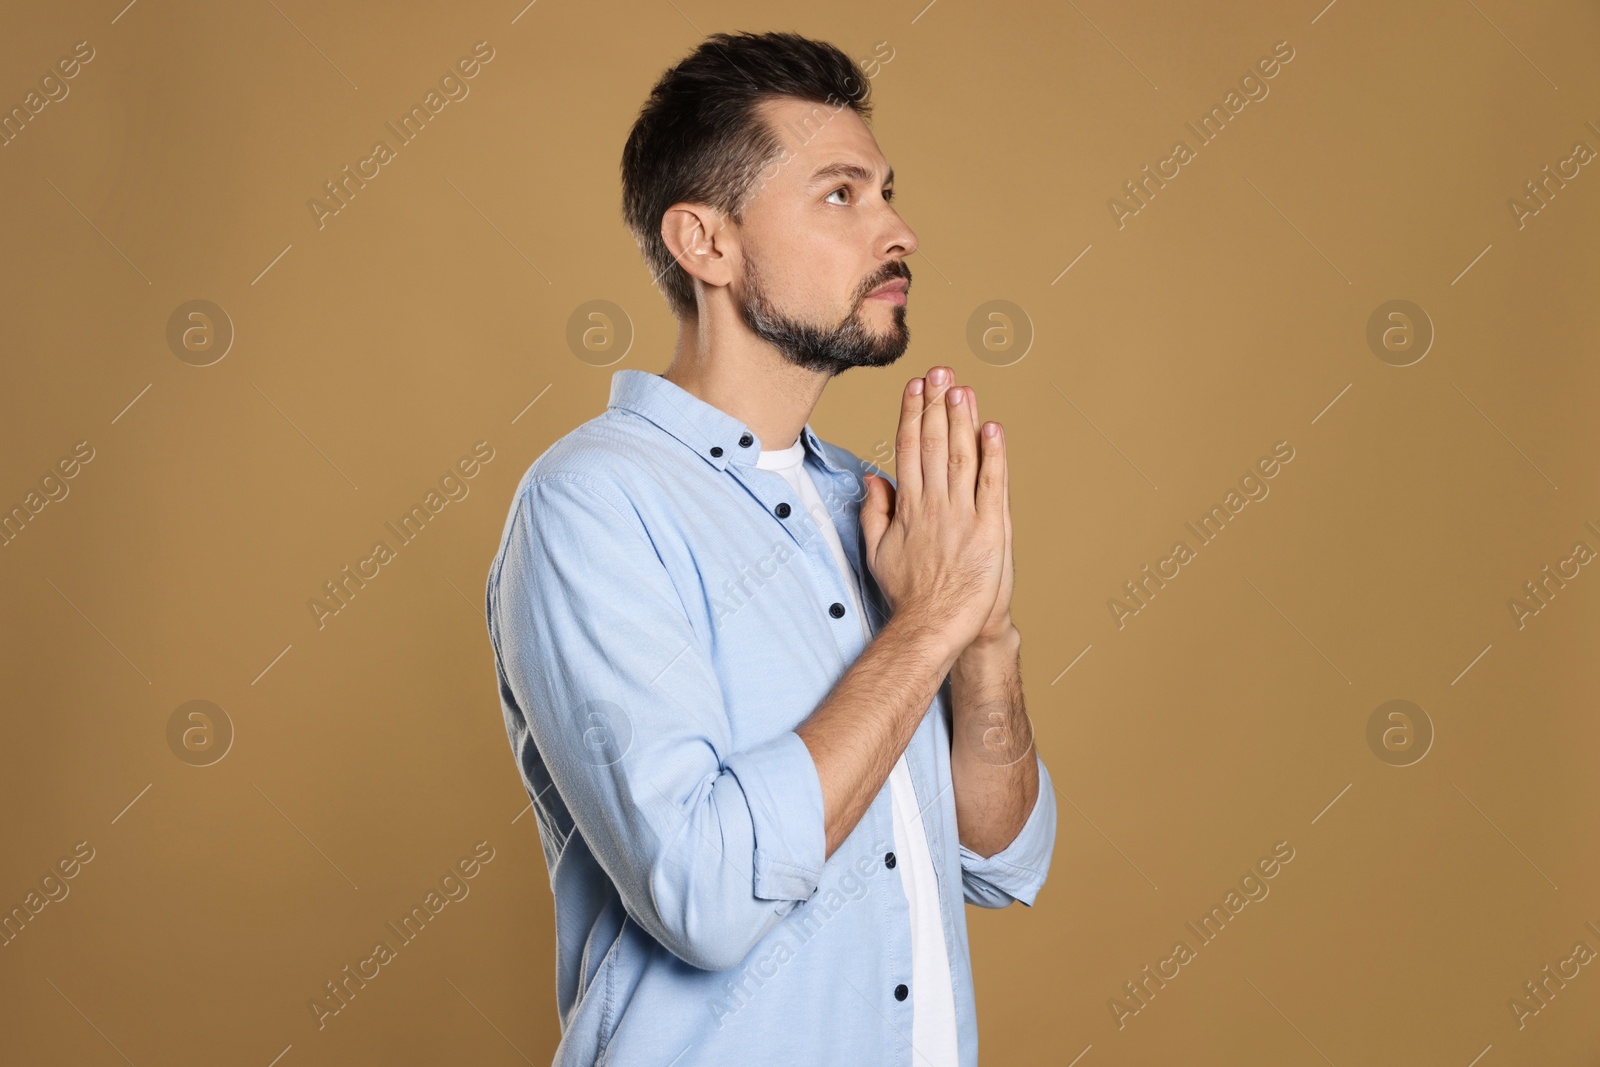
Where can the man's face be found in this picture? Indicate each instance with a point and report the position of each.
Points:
(818, 237)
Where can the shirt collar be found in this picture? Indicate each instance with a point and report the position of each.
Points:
(710, 432)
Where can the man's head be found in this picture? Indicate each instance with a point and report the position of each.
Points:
(752, 183)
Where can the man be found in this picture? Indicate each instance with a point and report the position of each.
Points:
(768, 707)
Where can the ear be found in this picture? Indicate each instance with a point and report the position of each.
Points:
(698, 240)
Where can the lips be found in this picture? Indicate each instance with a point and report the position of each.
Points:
(893, 291)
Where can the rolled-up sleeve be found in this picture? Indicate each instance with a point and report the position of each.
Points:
(614, 693)
(1016, 872)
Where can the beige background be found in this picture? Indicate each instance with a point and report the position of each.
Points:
(1229, 314)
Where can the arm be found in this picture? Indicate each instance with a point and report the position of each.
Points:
(995, 787)
(1005, 802)
(857, 734)
(708, 847)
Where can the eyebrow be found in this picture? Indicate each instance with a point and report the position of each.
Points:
(847, 170)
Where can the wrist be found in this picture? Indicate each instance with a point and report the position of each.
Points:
(1004, 639)
(926, 640)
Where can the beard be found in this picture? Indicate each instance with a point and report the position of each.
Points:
(852, 343)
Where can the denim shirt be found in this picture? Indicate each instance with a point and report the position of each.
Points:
(663, 616)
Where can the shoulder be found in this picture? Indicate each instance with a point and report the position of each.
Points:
(608, 458)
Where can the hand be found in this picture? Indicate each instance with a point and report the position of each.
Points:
(937, 545)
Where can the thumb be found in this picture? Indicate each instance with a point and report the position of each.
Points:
(876, 510)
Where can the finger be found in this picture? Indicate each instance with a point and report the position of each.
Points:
(963, 447)
(992, 479)
(936, 438)
(908, 440)
(977, 426)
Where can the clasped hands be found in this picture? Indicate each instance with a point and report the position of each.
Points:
(939, 543)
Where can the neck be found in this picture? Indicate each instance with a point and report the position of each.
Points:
(748, 379)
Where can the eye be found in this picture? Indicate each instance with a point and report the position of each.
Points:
(836, 192)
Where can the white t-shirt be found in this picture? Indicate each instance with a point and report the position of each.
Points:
(933, 1013)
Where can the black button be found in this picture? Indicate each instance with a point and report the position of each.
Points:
(745, 440)
(836, 609)
(782, 510)
(888, 859)
(901, 992)
(716, 450)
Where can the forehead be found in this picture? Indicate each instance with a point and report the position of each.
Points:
(821, 144)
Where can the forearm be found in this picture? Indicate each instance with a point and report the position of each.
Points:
(992, 763)
(857, 733)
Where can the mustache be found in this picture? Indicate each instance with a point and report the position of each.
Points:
(889, 274)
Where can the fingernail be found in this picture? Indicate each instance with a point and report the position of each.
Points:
(915, 387)
(990, 429)
(936, 376)
(955, 396)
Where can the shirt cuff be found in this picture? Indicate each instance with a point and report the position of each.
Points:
(780, 784)
(1018, 871)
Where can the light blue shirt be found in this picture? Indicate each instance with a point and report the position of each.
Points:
(663, 615)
